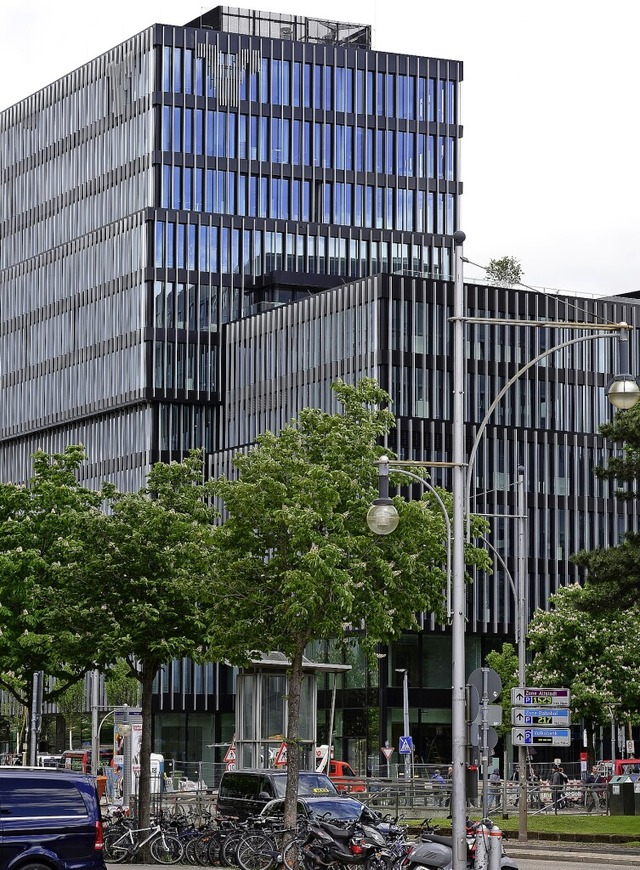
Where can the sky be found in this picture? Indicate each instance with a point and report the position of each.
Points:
(550, 97)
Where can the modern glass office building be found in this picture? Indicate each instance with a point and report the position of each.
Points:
(149, 196)
(173, 217)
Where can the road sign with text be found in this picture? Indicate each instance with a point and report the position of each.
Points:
(541, 736)
(548, 716)
(522, 697)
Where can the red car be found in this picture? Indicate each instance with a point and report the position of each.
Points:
(344, 777)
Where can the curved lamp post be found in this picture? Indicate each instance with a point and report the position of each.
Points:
(623, 392)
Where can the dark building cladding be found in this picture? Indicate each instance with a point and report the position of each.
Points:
(198, 229)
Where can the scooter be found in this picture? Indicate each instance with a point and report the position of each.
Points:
(435, 852)
(356, 844)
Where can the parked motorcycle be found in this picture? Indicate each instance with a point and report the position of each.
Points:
(357, 843)
(435, 852)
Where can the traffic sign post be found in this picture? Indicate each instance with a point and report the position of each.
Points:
(523, 697)
(550, 716)
(405, 745)
(541, 736)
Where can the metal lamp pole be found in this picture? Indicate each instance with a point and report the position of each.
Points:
(405, 717)
(458, 727)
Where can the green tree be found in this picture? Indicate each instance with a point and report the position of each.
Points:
(150, 582)
(596, 656)
(613, 573)
(120, 687)
(505, 664)
(44, 545)
(295, 558)
(505, 271)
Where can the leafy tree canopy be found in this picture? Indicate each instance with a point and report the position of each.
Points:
(613, 573)
(295, 560)
(295, 557)
(596, 656)
(504, 271)
(45, 540)
(505, 664)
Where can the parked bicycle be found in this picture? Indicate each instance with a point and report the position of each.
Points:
(120, 847)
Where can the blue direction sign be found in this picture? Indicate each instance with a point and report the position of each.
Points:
(522, 697)
(541, 736)
(540, 716)
(405, 746)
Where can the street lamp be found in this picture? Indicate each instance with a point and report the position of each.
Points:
(382, 518)
(405, 717)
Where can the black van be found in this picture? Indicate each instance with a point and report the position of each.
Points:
(49, 820)
(243, 793)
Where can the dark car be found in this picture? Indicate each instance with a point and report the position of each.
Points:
(334, 807)
(49, 820)
(243, 793)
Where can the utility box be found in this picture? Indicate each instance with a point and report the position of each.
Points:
(622, 801)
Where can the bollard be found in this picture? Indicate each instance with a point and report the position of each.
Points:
(494, 847)
(481, 860)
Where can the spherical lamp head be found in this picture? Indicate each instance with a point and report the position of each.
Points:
(623, 392)
(382, 517)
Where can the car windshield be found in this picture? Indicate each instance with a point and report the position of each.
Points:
(308, 784)
(335, 809)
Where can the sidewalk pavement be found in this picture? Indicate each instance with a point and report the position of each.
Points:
(558, 850)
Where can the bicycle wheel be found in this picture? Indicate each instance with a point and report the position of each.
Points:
(206, 845)
(166, 849)
(116, 849)
(190, 850)
(292, 855)
(229, 849)
(256, 852)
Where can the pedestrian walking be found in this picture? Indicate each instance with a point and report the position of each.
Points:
(494, 788)
(593, 791)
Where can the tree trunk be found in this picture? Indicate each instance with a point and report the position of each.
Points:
(293, 740)
(144, 781)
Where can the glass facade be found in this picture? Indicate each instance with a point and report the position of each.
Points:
(162, 204)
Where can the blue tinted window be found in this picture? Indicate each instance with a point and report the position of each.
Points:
(317, 87)
(369, 150)
(389, 155)
(348, 94)
(264, 80)
(328, 83)
(159, 261)
(166, 128)
(380, 82)
(176, 198)
(188, 187)
(327, 150)
(177, 70)
(306, 200)
(166, 69)
(199, 132)
(188, 70)
(177, 129)
(242, 137)
(390, 95)
(360, 149)
(199, 68)
(296, 157)
(370, 92)
(360, 103)
(296, 83)
(165, 191)
(36, 798)
(306, 86)
(340, 89)
(188, 131)
(379, 150)
(306, 149)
